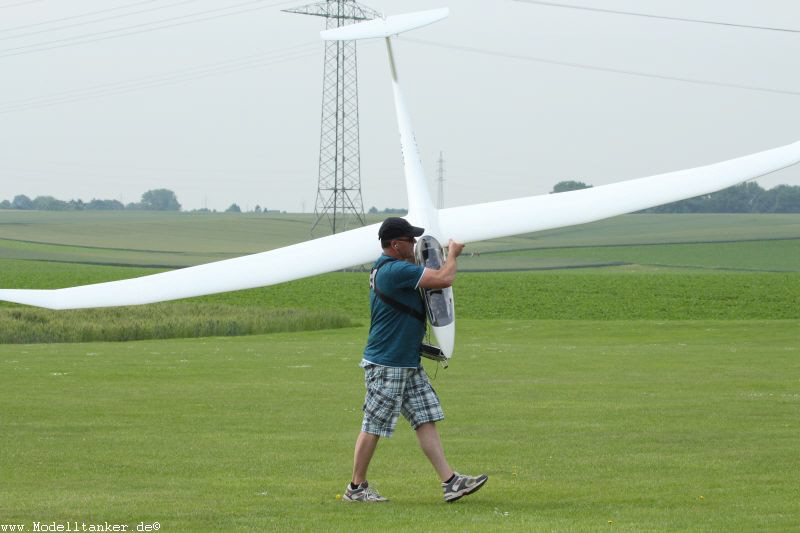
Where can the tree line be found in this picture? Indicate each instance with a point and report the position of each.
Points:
(747, 197)
(152, 200)
(388, 211)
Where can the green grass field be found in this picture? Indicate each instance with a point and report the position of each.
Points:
(659, 394)
(581, 425)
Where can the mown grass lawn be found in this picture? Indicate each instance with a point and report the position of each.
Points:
(581, 425)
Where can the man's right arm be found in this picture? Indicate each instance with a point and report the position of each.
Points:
(445, 276)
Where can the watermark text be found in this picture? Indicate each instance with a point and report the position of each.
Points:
(81, 526)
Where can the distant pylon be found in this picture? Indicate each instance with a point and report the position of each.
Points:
(440, 180)
(339, 184)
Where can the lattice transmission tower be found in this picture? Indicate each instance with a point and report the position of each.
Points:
(339, 186)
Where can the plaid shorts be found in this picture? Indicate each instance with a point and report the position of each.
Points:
(391, 391)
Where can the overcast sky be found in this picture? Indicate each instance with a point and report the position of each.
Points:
(227, 109)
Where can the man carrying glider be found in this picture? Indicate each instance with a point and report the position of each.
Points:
(395, 380)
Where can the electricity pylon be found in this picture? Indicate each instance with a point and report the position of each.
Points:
(339, 186)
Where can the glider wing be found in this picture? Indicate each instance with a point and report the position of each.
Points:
(301, 260)
(535, 213)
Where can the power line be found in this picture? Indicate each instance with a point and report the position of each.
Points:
(600, 69)
(43, 46)
(663, 17)
(140, 25)
(203, 71)
(19, 4)
(251, 61)
(102, 19)
(72, 17)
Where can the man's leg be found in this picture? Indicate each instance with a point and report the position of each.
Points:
(431, 444)
(365, 448)
(455, 485)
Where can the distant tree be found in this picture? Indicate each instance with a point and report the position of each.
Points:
(570, 185)
(373, 210)
(740, 198)
(201, 210)
(48, 203)
(690, 205)
(234, 209)
(5, 204)
(257, 209)
(787, 199)
(21, 201)
(743, 198)
(160, 200)
(77, 205)
(105, 205)
(133, 206)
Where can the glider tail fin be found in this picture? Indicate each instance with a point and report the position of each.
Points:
(385, 27)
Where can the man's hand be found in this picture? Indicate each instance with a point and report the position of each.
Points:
(454, 248)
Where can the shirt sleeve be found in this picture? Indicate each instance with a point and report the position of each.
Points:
(404, 275)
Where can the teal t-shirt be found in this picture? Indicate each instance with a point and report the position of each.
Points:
(395, 337)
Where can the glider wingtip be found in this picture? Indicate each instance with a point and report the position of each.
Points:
(24, 297)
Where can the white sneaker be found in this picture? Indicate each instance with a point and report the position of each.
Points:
(462, 485)
(363, 493)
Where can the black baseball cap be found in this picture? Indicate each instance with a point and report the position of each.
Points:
(394, 227)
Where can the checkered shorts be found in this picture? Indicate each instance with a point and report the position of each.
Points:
(391, 391)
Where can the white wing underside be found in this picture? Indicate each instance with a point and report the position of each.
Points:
(467, 224)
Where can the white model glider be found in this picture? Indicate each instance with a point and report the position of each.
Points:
(466, 224)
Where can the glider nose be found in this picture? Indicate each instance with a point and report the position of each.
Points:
(446, 337)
